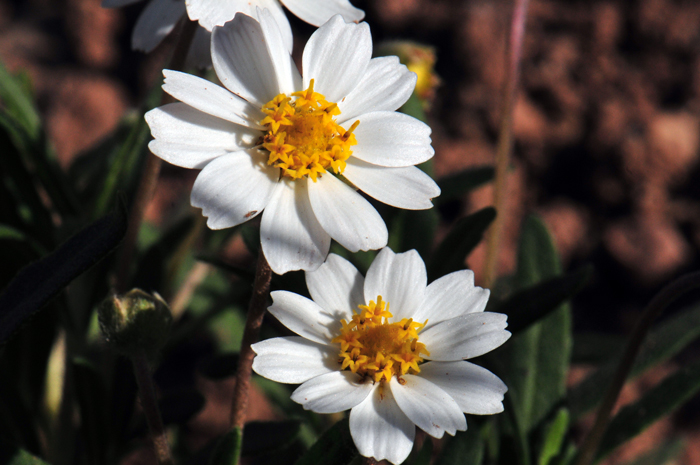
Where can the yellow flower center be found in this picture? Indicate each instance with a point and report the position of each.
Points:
(372, 347)
(302, 137)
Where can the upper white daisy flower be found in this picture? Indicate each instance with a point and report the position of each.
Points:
(159, 18)
(276, 141)
(389, 347)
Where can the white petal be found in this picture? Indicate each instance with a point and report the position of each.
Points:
(400, 279)
(386, 85)
(234, 188)
(336, 57)
(199, 54)
(211, 99)
(407, 187)
(292, 238)
(288, 77)
(336, 286)
(388, 138)
(332, 392)
(242, 61)
(380, 429)
(293, 359)
(117, 3)
(190, 138)
(155, 22)
(346, 215)
(428, 406)
(475, 389)
(451, 296)
(317, 12)
(211, 13)
(467, 336)
(304, 317)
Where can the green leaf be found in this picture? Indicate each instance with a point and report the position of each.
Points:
(554, 437)
(92, 399)
(424, 455)
(465, 448)
(228, 448)
(460, 241)
(662, 454)
(414, 107)
(456, 185)
(37, 283)
(662, 343)
(595, 348)
(18, 103)
(335, 447)
(532, 304)
(262, 437)
(414, 229)
(20, 457)
(668, 395)
(537, 360)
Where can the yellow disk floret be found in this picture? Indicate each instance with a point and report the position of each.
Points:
(374, 348)
(302, 136)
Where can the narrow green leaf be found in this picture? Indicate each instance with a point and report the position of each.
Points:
(18, 102)
(532, 304)
(666, 340)
(537, 359)
(456, 185)
(465, 448)
(554, 437)
(8, 233)
(228, 448)
(335, 447)
(460, 241)
(662, 454)
(92, 399)
(665, 397)
(37, 283)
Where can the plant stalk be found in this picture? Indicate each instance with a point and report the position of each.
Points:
(149, 177)
(657, 305)
(256, 312)
(149, 404)
(505, 137)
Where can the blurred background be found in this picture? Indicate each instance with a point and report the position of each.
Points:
(606, 131)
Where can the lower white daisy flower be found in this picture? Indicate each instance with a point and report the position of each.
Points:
(389, 347)
(279, 142)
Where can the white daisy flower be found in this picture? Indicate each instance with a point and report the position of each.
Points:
(276, 141)
(159, 18)
(390, 348)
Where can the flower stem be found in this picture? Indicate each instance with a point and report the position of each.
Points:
(505, 137)
(149, 177)
(149, 404)
(658, 304)
(256, 312)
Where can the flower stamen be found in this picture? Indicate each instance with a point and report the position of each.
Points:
(303, 137)
(376, 349)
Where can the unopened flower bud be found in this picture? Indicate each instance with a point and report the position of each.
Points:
(136, 322)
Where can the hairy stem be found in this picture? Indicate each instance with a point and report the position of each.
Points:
(658, 304)
(505, 137)
(256, 312)
(149, 404)
(149, 177)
